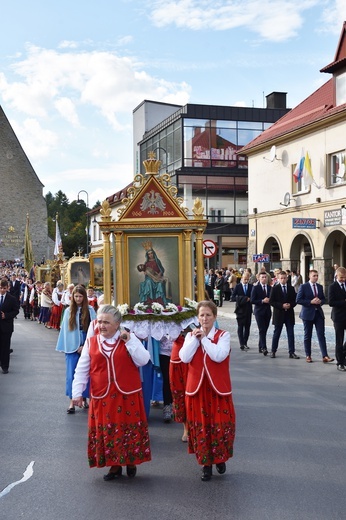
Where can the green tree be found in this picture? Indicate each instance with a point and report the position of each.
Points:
(72, 221)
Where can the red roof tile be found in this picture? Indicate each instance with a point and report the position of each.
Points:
(315, 107)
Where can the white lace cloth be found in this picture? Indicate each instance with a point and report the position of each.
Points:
(157, 329)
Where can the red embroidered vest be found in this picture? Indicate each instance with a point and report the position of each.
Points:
(117, 368)
(202, 366)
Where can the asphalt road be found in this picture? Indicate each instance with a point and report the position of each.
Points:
(289, 456)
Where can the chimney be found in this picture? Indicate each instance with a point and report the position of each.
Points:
(277, 100)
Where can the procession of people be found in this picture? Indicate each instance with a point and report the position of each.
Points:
(103, 360)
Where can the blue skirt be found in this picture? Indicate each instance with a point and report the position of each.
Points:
(71, 364)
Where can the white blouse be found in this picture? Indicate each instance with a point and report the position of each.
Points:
(216, 351)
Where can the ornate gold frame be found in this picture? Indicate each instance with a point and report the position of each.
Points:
(172, 261)
(152, 208)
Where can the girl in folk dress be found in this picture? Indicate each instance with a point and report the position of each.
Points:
(209, 405)
(118, 428)
(74, 327)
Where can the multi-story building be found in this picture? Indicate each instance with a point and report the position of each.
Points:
(297, 181)
(197, 146)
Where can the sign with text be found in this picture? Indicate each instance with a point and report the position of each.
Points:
(303, 223)
(333, 217)
(260, 258)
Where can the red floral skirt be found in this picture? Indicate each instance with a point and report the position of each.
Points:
(211, 425)
(118, 430)
(177, 381)
(55, 317)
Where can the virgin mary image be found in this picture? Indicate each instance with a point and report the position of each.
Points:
(153, 288)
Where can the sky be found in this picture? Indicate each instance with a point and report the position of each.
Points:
(73, 71)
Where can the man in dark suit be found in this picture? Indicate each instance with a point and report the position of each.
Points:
(260, 299)
(311, 297)
(15, 287)
(9, 308)
(337, 300)
(283, 300)
(241, 295)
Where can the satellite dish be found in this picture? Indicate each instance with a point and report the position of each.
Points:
(272, 155)
(287, 200)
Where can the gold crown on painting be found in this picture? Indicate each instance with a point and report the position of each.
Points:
(147, 245)
(152, 164)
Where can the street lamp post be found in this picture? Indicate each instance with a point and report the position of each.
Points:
(87, 216)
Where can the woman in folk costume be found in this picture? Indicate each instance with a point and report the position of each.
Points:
(209, 405)
(118, 428)
(74, 327)
(55, 316)
(177, 381)
(45, 304)
(92, 298)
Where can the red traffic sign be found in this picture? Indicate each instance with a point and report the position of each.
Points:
(209, 248)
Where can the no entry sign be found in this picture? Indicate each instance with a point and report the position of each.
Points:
(209, 248)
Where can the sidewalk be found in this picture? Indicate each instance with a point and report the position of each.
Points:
(227, 311)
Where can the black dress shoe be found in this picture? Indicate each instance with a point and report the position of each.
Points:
(341, 368)
(221, 468)
(131, 471)
(293, 356)
(5, 370)
(242, 347)
(112, 475)
(272, 354)
(264, 351)
(207, 472)
(246, 347)
(71, 410)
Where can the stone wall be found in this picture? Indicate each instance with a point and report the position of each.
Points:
(21, 193)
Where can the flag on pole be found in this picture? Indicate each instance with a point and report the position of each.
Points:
(58, 241)
(28, 254)
(298, 172)
(307, 173)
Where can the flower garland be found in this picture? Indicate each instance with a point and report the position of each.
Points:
(157, 312)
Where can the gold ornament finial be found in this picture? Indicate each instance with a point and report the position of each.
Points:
(197, 209)
(148, 245)
(152, 165)
(105, 211)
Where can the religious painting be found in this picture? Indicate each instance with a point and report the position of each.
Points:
(154, 269)
(80, 273)
(96, 271)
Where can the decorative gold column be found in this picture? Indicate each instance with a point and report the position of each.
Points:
(119, 283)
(189, 291)
(200, 265)
(106, 267)
(105, 212)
